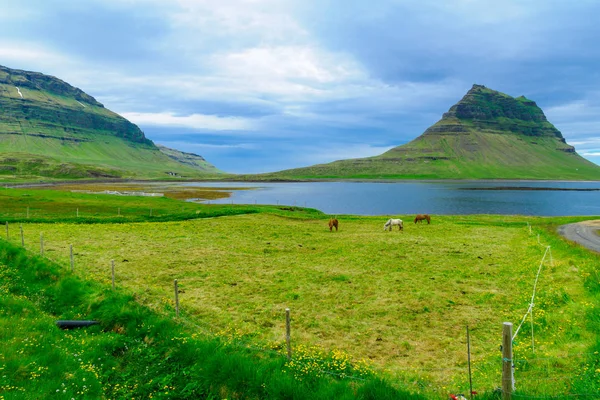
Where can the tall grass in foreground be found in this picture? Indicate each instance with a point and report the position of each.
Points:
(134, 352)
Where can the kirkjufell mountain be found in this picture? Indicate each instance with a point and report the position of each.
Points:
(486, 135)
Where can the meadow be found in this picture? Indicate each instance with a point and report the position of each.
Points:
(394, 304)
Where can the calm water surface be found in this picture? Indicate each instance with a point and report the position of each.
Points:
(365, 198)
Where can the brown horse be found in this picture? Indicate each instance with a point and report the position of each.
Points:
(421, 217)
(333, 222)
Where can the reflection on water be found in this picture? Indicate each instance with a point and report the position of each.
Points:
(375, 198)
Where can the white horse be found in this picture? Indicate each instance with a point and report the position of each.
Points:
(391, 222)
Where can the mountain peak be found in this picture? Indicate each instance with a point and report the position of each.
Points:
(488, 110)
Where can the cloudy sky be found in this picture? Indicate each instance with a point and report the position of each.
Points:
(266, 85)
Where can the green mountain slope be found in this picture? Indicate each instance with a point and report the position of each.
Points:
(486, 135)
(52, 130)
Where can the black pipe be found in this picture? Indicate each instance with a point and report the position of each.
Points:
(70, 324)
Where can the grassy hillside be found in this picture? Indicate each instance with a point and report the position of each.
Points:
(51, 130)
(398, 300)
(27, 158)
(487, 135)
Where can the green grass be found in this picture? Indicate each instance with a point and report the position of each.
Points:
(361, 300)
(134, 352)
(42, 205)
(30, 158)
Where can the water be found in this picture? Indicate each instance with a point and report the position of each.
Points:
(450, 198)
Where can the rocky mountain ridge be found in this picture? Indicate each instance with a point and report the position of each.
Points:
(484, 109)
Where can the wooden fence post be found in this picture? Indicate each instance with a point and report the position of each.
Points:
(469, 361)
(288, 329)
(42, 244)
(71, 257)
(78, 212)
(119, 212)
(7, 235)
(27, 212)
(507, 362)
(22, 238)
(112, 267)
(176, 299)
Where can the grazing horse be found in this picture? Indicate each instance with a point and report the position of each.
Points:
(421, 217)
(391, 222)
(333, 222)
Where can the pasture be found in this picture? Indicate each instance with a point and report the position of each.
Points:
(398, 300)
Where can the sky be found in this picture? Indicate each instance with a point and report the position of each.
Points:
(266, 85)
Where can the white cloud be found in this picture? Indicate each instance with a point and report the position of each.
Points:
(575, 109)
(587, 141)
(270, 20)
(193, 121)
(26, 53)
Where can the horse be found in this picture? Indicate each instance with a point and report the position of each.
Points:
(333, 222)
(421, 217)
(391, 222)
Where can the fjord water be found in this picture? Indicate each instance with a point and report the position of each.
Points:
(542, 198)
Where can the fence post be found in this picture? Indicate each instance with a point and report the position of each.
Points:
(71, 256)
(507, 362)
(7, 235)
(22, 238)
(469, 361)
(288, 329)
(77, 212)
(27, 212)
(119, 212)
(176, 299)
(42, 244)
(112, 268)
(150, 212)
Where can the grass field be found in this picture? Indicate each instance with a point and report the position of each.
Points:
(396, 303)
(398, 300)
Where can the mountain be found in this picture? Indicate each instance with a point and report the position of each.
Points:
(486, 135)
(189, 159)
(52, 130)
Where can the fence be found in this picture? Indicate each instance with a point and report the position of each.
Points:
(507, 365)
